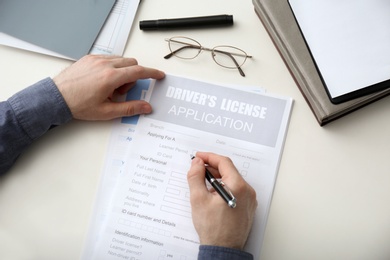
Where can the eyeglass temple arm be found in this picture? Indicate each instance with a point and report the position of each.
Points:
(234, 60)
(181, 48)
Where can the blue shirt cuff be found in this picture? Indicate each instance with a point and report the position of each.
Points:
(39, 107)
(222, 253)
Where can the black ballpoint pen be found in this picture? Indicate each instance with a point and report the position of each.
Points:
(219, 188)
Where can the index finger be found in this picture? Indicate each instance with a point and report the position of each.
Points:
(230, 175)
(135, 72)
(223, 164)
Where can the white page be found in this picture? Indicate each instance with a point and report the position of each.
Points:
(118, 149)
(349, 41)
(151, 215)
(111, 39)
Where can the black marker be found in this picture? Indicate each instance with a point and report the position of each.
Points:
(190, 22)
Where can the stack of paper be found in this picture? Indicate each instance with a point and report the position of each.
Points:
(142, 209)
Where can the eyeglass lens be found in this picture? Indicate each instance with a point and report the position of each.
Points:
(184, 48)
(228, 56)
(225, 56)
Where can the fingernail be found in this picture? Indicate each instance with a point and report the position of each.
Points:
(196, 160)
(146, 109)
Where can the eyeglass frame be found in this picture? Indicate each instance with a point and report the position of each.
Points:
(212, 50)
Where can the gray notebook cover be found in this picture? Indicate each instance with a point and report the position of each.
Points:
(67, 27)
(280, 23)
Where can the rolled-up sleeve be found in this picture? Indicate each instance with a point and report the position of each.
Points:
(26, 116)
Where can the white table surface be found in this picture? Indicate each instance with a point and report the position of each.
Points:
(332, 195)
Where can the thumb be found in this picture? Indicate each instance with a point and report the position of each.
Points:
(128, 108)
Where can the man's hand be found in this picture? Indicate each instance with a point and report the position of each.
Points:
(89, 85)
(216, 223)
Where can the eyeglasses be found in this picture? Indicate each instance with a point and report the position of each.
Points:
(226, 56)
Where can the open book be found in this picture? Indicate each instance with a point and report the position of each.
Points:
(349, 42)
(279, 20)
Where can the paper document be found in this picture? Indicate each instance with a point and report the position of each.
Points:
(150, 213)
(349, 41)
(111, 39)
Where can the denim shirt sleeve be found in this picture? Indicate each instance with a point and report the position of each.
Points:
(26, 116)
(222, 253)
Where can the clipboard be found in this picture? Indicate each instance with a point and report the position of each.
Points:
(65, 27)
